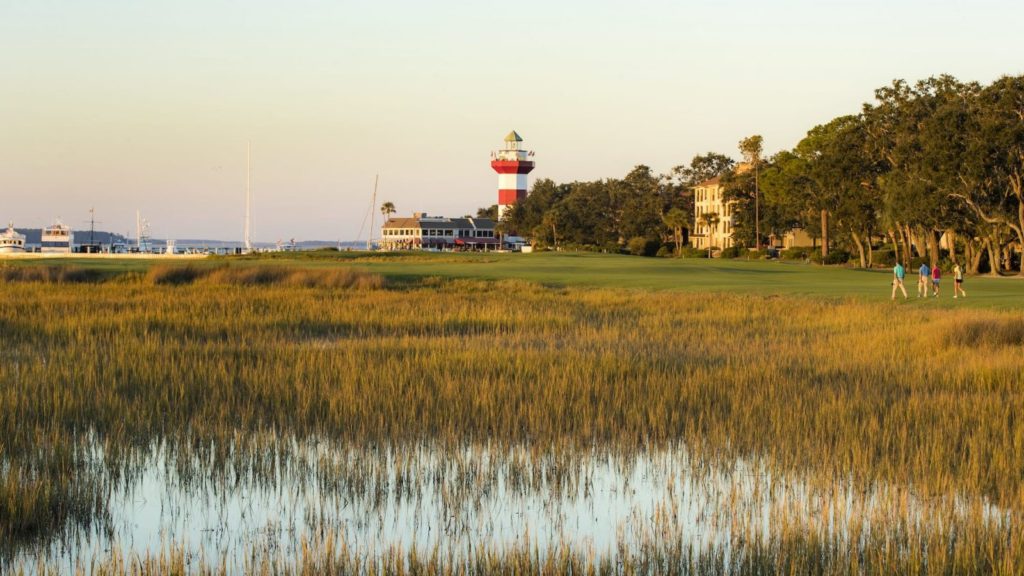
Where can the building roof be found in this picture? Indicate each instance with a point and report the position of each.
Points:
(402, 223)
(741, 168)
(441, 223)
(710, 182)
(513, 136)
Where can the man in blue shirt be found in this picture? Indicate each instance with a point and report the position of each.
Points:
(898, 274)
(923, 280)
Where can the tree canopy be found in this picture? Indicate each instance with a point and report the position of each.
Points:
(931, 170)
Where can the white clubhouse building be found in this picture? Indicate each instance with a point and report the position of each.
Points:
(423, 231)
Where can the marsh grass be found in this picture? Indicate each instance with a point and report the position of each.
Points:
(986, 332)
(217, 360)
(658, 553)
(264, 276)
(49, 274)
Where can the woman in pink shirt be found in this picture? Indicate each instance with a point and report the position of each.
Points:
(936, 276)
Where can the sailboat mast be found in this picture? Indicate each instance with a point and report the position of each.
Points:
(248, 197)
(373, 209)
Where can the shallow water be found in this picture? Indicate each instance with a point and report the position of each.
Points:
(374, 498)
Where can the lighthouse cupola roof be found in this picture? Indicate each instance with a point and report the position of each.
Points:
(512, 140)
(512, 151)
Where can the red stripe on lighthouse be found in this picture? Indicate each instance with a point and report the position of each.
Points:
(510, 196)
(512, 166)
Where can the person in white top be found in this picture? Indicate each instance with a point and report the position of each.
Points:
(958, 281)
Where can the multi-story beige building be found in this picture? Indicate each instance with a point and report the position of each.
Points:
(708, 198)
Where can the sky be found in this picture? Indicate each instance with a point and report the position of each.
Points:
(148, 106)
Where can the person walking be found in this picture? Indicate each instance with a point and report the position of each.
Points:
(958, 281)
(923, 275)
(898, 273)
(936, 276)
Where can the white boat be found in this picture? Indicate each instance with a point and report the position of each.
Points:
(11, 242)
(57, 239)
(289, 246)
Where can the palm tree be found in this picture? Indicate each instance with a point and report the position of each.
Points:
(676, 219)
(550, 220)
(500, 229)
(710, 220)
(387, 209)
(751, 149)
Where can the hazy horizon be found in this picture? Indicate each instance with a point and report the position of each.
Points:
(125, 107)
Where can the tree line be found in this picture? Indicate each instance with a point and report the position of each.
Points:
(932, 170)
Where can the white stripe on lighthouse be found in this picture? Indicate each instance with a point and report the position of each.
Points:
(512, 181)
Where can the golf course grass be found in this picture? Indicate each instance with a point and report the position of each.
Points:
(764, 278)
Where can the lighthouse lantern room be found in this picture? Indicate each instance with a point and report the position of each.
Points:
(512, 165)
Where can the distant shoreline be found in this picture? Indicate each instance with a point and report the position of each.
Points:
(99, 256)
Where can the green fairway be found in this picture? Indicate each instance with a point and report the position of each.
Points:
(698, 275)
(767, 278)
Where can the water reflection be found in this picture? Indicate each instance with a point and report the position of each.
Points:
(274, 494)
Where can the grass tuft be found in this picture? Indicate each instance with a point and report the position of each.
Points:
(49, 274)
(988, 332)
(264, 275)
(175, 275)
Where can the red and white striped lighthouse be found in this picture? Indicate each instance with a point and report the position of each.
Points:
(512, 166)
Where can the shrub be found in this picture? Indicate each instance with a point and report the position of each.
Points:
(946, 266)
(792, 254)
(884, 257)
(762, 254)
(795, 253)
(733, 252)
(835, 256)
(664, 252)
(640, 246)
(611, 248)
(691, 252)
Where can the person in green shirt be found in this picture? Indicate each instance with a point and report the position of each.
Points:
(898, 273)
